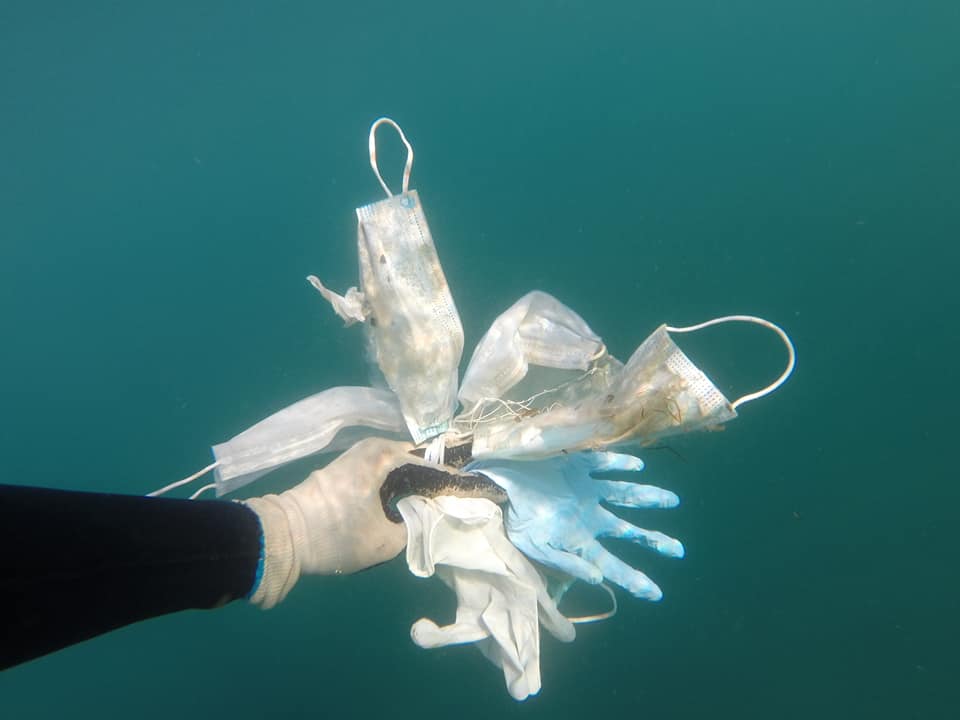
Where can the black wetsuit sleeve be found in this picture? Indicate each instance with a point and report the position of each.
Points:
(77, 564)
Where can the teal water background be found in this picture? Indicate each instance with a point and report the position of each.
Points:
(170, 172)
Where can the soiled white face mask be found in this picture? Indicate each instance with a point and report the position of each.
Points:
(414, 331)
(414, 336)
(537, 333)
(659, 392)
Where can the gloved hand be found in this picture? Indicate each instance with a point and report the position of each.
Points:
(332, 522)
(555, 516)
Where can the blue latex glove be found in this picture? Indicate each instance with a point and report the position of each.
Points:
(555, 517)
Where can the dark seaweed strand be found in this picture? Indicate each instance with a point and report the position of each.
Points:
(430, 482)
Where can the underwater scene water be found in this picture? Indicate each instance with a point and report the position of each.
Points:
(171, 172)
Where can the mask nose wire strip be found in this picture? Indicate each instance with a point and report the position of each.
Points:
(791, 353)
(186, 480)
(373, 154)
(583, 619)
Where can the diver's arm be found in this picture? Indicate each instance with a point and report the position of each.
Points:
(79, 564)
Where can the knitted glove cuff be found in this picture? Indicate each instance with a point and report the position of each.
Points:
(281, 566)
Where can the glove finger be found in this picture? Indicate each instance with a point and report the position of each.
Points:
(563, 561)
(618, 572)
(628, 494)
(614, 527)
(611, 461)
(427, 634)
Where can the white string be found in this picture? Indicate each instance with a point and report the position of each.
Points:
(791, 353)
(373, 154)
(583, 619)
(494, 409)
(185, 481)
(202, 490)
(436, 450)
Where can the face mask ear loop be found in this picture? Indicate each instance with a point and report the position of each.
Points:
(583, 619)
(373, 154)
(791, 353)
(201, 491)
(185, 481)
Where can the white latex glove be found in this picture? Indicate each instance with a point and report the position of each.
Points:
(332, 522)
(501, 598)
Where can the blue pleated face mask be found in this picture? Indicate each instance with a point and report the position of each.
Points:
(659, 392)
(414, 332)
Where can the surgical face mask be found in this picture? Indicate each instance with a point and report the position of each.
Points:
(414, 331)
(658, 393)
(537, 355)
(329, 421)
(537, 332)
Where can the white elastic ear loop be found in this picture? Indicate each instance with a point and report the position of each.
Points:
(791, 353)
(186, 481)
(435, 451)
(583, 619)
(373, 154)
(201, 491)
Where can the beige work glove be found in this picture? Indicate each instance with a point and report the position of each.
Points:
(332, 522)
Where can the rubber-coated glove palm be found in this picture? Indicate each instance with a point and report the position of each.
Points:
(555, 516)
